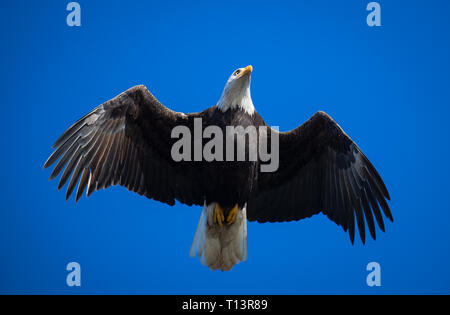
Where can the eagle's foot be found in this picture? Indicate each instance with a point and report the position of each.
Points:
(219, 217)
(232, 214)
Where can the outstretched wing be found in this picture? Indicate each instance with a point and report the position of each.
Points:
(127, 141)
(321, 170)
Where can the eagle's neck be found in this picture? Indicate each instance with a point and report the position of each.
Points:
(236, 97)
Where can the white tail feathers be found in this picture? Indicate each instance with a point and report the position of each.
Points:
(220, 247)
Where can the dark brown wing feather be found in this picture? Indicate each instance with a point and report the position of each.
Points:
(127, 141)
(321, 170)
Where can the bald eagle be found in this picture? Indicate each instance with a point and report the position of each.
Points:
(128, 141)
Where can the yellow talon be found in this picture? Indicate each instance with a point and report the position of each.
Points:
(232, 215)
(218, 215)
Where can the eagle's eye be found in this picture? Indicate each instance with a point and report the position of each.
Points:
(237, 72)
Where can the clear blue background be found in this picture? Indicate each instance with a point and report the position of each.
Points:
(388, 87)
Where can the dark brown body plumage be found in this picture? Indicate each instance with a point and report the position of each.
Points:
(230, 182)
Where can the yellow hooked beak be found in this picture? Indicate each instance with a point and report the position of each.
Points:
(246, 70)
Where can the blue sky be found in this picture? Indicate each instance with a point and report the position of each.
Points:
(386, 86)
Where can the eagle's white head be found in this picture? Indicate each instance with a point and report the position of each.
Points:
(237, 91)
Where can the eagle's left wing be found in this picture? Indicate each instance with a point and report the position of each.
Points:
(127, 141)
(321, 170)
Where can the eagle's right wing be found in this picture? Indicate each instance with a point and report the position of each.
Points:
(321, 170)
(127, 141)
